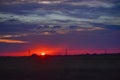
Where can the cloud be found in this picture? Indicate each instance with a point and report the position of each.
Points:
(49, 2)
(6, 39)
(92, 3)
(58, 18)
(6, 2)
(111, 20)
(11, 41)
(36, 21)
(13, 36)
(35, 18)
(46, 29)
(53, 23)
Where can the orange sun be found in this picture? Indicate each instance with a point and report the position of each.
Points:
(43, 54)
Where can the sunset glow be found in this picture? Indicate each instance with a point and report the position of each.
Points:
(43, 54)
(51, 26)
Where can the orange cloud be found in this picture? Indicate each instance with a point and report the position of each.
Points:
(11, 41)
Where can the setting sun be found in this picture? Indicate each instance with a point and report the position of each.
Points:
(43, 54)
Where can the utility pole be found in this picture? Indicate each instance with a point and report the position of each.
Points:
(105, 51)
(29, 52)
(66, 51)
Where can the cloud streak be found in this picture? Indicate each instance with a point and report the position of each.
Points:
(12, 41)
(56, 18)
(92, 3)
(6, 39)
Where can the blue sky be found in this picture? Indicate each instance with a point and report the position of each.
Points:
(79, 24)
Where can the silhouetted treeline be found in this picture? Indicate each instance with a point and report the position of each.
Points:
(61, 67)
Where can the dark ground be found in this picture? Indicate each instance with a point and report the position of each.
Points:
(84, 67)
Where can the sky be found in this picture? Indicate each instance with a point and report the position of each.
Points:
(52, 26)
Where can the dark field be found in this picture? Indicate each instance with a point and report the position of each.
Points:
(84, 67)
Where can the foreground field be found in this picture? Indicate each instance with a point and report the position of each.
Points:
(84, 67)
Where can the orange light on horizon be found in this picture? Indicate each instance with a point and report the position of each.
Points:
(43, 54)
(48, 50)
